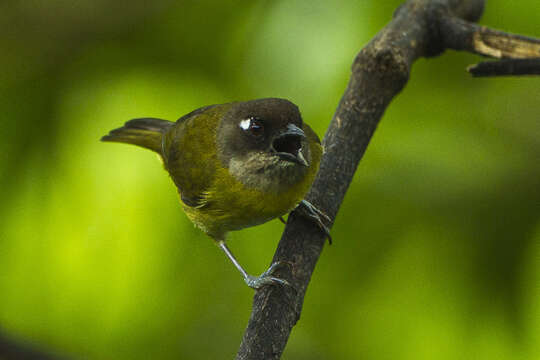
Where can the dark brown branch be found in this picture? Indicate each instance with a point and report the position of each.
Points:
(506, 67)
(458, 34)
(380, 71)
(520, 55)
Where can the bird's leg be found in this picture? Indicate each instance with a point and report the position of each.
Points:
(309, 211)
(254, 282)
(282, 220)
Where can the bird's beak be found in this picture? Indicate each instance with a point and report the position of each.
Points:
(288, 145)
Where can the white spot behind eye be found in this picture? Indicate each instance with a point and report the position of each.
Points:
(244, 124)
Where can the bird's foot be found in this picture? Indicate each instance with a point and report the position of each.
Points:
(266, 277)
(309, 211)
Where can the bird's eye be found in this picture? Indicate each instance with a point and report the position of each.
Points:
(252, 125)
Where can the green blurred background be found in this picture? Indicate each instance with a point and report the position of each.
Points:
(437, 245)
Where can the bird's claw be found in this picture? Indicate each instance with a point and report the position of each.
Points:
(266, 277)
(308, 210)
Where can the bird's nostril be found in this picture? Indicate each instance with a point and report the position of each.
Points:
(288, 144)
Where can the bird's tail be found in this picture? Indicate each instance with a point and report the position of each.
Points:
(144, 132)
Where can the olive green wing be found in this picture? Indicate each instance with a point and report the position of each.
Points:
(189, 154)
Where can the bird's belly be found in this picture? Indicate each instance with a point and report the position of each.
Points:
(229, 205)
(259, 209)
(222, 214)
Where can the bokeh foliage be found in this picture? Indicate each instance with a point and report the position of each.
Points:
(437, 245)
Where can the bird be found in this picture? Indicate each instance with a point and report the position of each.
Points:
(236, 165)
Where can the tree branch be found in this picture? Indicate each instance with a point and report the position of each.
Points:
(419, 28)
(506, 67)
(462, 35)
(520, 54)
